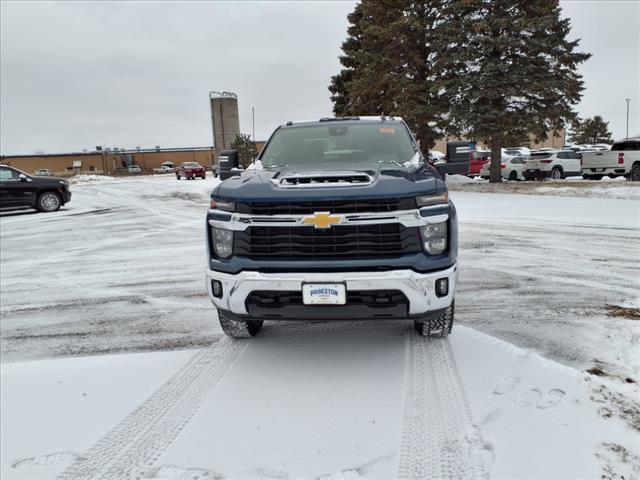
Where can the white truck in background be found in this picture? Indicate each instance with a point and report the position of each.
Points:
(166, 167)
(622, 160)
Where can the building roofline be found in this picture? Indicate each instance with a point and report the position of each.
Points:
(113, 152)
(97, 152)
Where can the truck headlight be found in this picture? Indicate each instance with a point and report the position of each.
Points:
(434, 237)
(218, 204)
(222, 242)
(429, 200)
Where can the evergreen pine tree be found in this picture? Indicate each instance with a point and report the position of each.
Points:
(246, 149)
(590, 130)
(515, 72)
(392, 64)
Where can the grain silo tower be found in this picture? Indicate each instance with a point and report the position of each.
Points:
(224, 119)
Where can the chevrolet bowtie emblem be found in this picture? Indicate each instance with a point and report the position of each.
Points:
(322, 220)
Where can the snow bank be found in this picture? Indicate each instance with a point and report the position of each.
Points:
(607, 191)
(91, 179)
(458, 179)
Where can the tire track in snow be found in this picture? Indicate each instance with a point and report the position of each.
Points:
(439, 439)
(132, 447)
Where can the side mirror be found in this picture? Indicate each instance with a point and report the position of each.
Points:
(22, 177)
(443, 168)
(227, 161)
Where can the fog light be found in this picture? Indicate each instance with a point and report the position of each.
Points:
(216, 288)
(442, 287)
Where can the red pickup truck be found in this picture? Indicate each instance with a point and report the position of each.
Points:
(190, 170)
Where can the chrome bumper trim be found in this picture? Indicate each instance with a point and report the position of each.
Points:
(407, 218)
(418, 287)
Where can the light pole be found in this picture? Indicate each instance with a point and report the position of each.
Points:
(628, 101)
(253, 130)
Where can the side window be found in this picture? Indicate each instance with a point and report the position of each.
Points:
(621, 146)
(7, 174)
(562, 155)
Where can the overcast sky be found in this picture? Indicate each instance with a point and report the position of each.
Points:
(79, 74)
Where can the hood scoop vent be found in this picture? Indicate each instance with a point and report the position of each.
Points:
(325, 180)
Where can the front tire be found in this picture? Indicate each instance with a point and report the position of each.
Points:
(437, 327)
(242, 329)
(177, 177)
(49, 202)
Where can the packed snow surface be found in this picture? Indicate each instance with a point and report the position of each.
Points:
(114, 365)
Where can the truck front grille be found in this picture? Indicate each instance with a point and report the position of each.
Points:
(333, 206)
(339, 242)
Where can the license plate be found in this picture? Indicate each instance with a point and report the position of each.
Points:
(324, 294)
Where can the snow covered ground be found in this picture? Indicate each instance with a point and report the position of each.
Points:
(549, 290)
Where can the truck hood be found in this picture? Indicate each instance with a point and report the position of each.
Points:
(386, 182)
(48, 180)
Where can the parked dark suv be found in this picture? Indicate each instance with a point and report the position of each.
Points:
(45, 194)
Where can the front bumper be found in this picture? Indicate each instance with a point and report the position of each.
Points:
(604, 171)
(536, 174)
(418, 288)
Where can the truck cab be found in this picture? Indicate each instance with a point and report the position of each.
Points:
(340, 218)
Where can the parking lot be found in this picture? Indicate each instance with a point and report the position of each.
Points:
(546, 268)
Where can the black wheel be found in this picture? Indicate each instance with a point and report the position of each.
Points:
(556, 173)
(49, 202)
(513, 175)
(634, 175)
(439, 326)
(245, 329)
(177, 177)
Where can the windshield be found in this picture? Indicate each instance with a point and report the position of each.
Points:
(366, 143)
(190, 164)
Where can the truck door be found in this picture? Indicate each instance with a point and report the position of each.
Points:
(13, 191)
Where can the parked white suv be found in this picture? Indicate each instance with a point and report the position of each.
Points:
(555, 164)
(511, 168)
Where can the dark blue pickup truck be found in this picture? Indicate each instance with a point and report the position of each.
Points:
(340, 218)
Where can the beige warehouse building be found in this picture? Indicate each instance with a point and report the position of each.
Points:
(112, 162)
